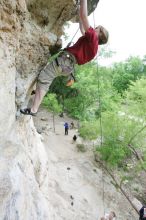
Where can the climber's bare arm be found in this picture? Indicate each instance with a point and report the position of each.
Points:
(80, 22)
(84, 16)
(81, 27)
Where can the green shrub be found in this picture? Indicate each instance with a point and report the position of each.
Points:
(89, 130)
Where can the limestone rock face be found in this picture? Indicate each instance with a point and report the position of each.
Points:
(27, 29)
(22, 173)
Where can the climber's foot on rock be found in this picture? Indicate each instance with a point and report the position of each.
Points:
(33, 92)
(27, 111)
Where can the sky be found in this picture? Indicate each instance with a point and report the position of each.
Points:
(126, 22)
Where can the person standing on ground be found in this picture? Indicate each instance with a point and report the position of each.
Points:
(142, 213)
(74, 138)
(72, 125)
(66, 128)
(83, 51)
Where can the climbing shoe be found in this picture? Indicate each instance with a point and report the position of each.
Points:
(33, 92)
(27, 111)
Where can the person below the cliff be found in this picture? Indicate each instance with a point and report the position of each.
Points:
(72, 126)
(74, 138)
(110, 216)
(66, 128)
(142, 213)
(83, 51)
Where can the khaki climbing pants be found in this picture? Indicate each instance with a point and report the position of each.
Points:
(63, 65)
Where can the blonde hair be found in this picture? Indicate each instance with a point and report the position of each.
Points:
(103, 36)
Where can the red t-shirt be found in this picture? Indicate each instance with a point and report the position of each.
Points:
(86, 47)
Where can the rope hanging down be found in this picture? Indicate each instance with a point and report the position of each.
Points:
(53, 57)
(71, 41)
(99, 96)
(100, 121)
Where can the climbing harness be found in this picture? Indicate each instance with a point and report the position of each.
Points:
(66, 55)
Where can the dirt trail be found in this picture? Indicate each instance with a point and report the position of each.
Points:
(76, 187)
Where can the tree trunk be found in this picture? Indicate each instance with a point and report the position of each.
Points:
(54, 122)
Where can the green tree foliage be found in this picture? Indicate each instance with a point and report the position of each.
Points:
(51, 103)
(125, 127)
(83, 104)
(93, 84)
(136, 99)
(89, 130)
(126, 72)
(118, 131)
(135, 107)
(108, 97)
(62, 91)
(134, 66)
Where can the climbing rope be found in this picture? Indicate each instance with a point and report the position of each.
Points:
(100, 122)
(71, 41)
(99, 96)
(99, 103)
(101, 134)
(52, 58)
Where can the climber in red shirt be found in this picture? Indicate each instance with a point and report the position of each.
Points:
(83, 51)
